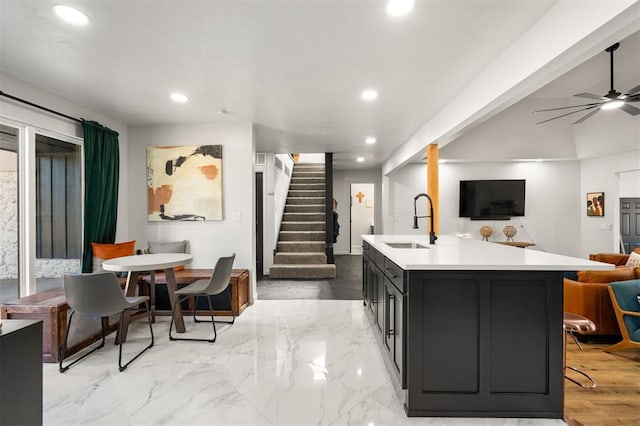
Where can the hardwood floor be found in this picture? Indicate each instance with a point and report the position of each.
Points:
(616, 399)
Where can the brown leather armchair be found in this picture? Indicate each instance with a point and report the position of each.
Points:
(617, 259)
(588, 295)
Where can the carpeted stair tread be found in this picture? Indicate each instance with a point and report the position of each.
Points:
(302, 226)
(302, 271)
(302, 208)
(300, 246)
(301, 258)
(302, 236)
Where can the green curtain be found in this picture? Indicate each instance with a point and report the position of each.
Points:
(101, 172)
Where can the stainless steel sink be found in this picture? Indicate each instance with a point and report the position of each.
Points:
(407, 245)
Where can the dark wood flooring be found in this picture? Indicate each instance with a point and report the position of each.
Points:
(347, 285)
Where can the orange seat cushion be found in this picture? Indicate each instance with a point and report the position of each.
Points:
(619, 274)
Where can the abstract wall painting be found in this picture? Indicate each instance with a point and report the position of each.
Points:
(184, 183)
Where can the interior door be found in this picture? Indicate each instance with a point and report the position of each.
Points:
(630, 223)
(361, 214)
(259, 225)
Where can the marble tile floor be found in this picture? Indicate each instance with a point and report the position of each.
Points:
(302, 362)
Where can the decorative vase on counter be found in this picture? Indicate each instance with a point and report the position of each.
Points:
(510, 232)
(486, 232)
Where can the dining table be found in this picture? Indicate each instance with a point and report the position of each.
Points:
(136, 265)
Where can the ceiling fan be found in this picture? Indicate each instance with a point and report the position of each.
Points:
(612, 100)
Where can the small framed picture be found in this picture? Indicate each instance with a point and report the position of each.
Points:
(595, 203)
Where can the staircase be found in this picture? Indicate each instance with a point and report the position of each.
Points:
(300, 253)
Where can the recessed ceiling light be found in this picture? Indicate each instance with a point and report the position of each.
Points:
(369, 95)
(370, 140)
(360, 159)
(612, 105)
(70, 14)
(179, 97)
(223, 111)
(399, 7)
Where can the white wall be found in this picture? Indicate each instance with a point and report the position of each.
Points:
(211, 239)
(630, 184)
(276, 186)
(282, 179)
(342, 180)
(553, 201)
(601, 234)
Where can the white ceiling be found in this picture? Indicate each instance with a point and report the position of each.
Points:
(293, 68)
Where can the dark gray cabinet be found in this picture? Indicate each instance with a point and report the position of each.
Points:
(394, 325)
(470, 343)
(21, 372)
(383, 294)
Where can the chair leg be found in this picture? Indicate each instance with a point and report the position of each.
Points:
(195, 308)
(593, 382)
(233, 315)
(624, 344)
(63, 351)
(575, 339)
(209, 298)
(172, 338)
(123, 367)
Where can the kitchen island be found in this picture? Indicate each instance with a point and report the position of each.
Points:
(472, 328)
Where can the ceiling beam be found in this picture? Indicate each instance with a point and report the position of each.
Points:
(569, 34)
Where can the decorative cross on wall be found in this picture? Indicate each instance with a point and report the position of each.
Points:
(360, 196)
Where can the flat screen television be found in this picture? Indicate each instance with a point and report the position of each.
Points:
(492, 199)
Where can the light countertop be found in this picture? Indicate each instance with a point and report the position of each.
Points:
(454, 253)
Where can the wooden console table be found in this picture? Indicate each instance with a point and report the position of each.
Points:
(51, 307)
(239, 284)
(521, 244)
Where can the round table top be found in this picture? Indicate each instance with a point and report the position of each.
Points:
(146, 262)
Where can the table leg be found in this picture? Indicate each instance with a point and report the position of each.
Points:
(129, 291)
(171, 289)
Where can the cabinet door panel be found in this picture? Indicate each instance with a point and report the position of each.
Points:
(389, 326)
(398, 325)
(380, 295)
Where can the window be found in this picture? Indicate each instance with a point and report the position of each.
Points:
(58, 189)
(9, 225)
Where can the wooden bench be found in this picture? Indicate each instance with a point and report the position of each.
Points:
(239, 283)
(51, 307)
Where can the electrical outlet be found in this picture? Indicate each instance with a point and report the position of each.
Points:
(236, 217)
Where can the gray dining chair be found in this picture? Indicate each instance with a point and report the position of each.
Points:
(218, 283)
(99, 295)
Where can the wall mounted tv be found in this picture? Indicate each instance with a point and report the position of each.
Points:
(491, 199)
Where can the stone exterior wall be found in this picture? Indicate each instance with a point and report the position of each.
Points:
(55, 268)
(45, 268)
(8, 224)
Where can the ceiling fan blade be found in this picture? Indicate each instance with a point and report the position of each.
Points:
(630, 109)
(567, 107)
(634, 91)
(591, 96)
(634, 98)
(580, 120)
(569, 113)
